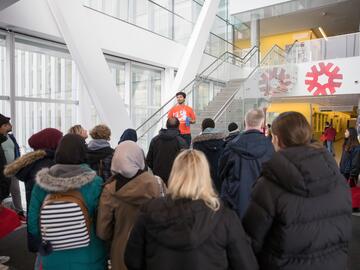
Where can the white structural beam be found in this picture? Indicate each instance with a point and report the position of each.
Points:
(85, 50)
(191, 59)
(7, 3)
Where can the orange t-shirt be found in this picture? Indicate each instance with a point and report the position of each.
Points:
(181, 112)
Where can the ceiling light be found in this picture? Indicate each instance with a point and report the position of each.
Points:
(323, 33)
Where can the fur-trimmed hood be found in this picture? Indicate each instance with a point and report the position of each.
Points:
(23, 161)
(61, 178)
(209, 137)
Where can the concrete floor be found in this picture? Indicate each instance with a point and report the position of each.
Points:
(14, 246)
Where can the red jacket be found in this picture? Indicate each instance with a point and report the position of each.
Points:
(330, 134)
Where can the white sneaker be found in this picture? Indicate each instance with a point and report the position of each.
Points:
(4, 259)
(4, 267)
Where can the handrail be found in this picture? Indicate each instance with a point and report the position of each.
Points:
(187, 85)
(164, 114)
(226, 104)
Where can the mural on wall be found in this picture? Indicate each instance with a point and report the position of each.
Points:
(276, 80)
(330, 81)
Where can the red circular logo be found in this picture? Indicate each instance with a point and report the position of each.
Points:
(329, 73)
(275, 81)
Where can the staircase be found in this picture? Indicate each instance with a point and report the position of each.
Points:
(215, 105)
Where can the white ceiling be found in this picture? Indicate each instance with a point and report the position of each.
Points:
(335, 19)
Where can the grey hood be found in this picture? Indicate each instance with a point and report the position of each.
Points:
(61, 178)
(98, 144)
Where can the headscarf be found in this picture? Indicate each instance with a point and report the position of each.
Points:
(46, 139)
(128, 159)
(71, 150)
(128, 135)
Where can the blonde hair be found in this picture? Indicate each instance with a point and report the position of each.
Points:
(190, 178)
(101, 132)
(77, 129)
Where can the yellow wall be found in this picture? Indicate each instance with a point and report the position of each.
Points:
(339, 120)
(277, 108)
(281, 40)
(313, 115)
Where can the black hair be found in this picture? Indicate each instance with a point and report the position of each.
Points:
(181, 94)
(232, 126)
(207, 123)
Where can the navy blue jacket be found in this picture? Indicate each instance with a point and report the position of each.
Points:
(240, 166)
(350, 163)
(17, 147)
(4, 181)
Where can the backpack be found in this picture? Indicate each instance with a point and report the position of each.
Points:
(64, 221)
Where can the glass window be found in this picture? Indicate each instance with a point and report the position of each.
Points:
(118, 73)
(3, 89)
(34, 116)
(146, 96)
(47, 85)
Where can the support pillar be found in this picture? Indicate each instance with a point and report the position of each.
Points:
(85, 50)
(191, 59)
(255, 34)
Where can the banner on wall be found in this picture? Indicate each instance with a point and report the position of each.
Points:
(322, 78)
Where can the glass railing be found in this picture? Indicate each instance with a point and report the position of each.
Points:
(255, 91)
(342, 46)
(221, 68)
(175, 21)
(285, 8)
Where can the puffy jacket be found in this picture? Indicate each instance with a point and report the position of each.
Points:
(119, 208)
(99, 157)
(212, 145)
(350, 163)
(185, 234)
(25, 169)
(240, 166)
(300, 213)
(60, 178)
(163, 150)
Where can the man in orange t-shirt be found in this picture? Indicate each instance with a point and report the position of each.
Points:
(185, 114)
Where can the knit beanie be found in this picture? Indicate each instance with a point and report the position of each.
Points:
(47, 138)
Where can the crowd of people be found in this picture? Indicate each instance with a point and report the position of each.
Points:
(236, 200)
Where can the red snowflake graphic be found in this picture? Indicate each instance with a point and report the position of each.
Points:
(321, 89)
(274, 81)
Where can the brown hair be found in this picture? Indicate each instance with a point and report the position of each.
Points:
(101, 132)
(292, 129)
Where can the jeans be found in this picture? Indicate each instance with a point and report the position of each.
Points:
(329, 146)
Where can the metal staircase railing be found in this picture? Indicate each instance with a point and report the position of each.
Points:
(226, 57)
(275, 50)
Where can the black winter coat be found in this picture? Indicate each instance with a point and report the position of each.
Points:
(185, 234)
(231, 136)
(350, 163)
(4, 181)
(163, 150)
(212, 145)
(25, 169)
(299, 217)
(100, 161)
(240, 166)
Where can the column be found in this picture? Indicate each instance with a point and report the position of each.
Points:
(85, 50)
(255, 34)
